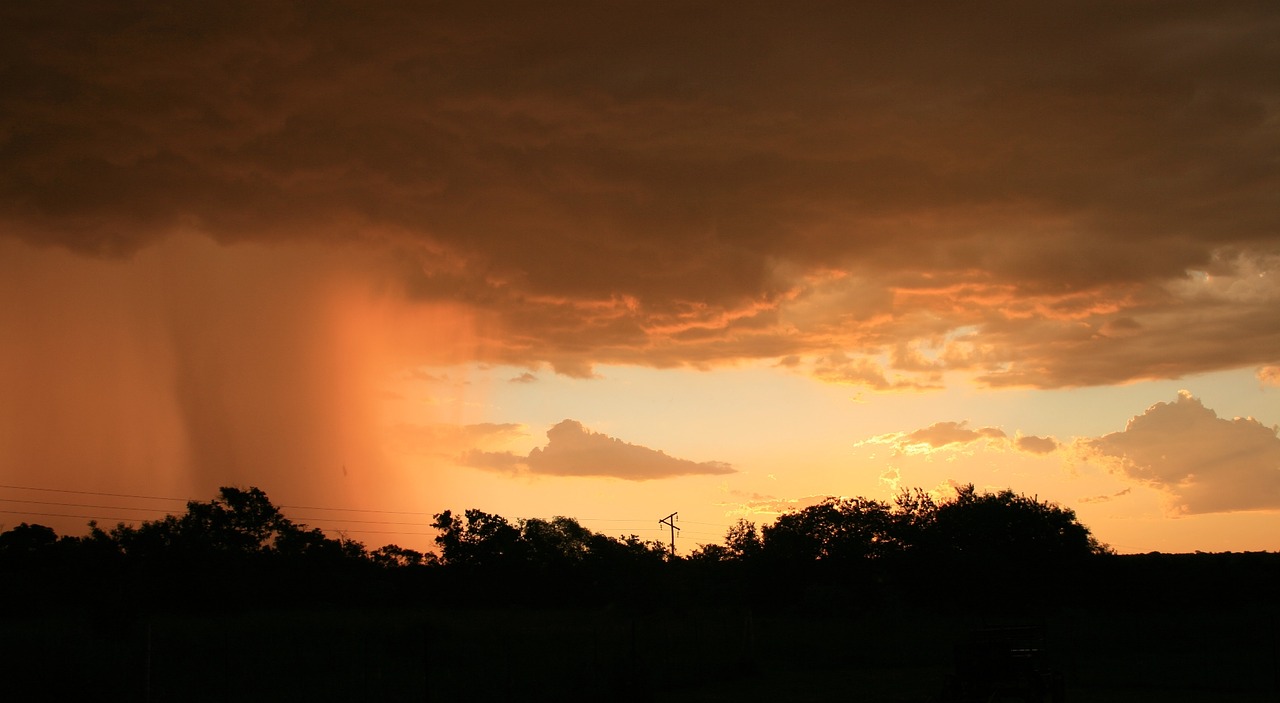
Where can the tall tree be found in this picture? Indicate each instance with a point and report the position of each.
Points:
(837, 530)
(477, 539)
(1007, 526)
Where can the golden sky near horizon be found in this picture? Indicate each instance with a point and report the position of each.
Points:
(614, 260)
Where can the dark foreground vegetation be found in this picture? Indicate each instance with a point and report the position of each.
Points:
(850, 599)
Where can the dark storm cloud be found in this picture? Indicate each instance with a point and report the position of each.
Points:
(673, 184)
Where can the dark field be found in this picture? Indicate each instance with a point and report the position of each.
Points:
(981, 599)
(1224, 653)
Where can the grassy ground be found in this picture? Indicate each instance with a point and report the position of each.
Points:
(604, 654)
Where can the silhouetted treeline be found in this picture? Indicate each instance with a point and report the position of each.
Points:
(236, 550)
(990, 527)
(239, 550)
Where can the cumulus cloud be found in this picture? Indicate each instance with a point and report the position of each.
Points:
(937, 436)
(951, 435)
(750, 504)
(574, 450)
(1035, 445)
(501, 462)
(1269, 375)
(626, 186)
(1203, 462)
(941, 434)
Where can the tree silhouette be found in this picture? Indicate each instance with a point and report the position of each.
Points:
(627, 553)
(972, 526)
(392, 555)
(557, 543)
(238, 521)
(480, 539)
(711, 553)
(477, 539)
(239, 548)
(741, 543)
(1006, 526)
(27, 539)
(237, 524)
(743, 540)
(835, 530)
(914, 514)
(299, 542)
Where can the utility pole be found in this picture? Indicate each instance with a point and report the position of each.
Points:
(670, 521)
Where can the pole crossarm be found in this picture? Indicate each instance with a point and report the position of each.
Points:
(670, 521)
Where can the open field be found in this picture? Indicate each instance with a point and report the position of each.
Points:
(596, 654)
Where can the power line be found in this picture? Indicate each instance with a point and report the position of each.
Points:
(374, 532)
(185, 500)
(162, 510)
(704, 534)
(133, 519)
(80, 505)
(87, 517)
(322, 520)
(367, 522)
(356, 510)
(130, 519)
(92, 493)
(137, 519)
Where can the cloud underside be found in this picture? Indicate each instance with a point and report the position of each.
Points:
(758, 505)
(573, 450)
(958, 436)
(884, 196)
(1203, 462)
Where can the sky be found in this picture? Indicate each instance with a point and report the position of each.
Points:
(618, 260)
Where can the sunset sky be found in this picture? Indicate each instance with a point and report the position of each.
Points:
(613, 260)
